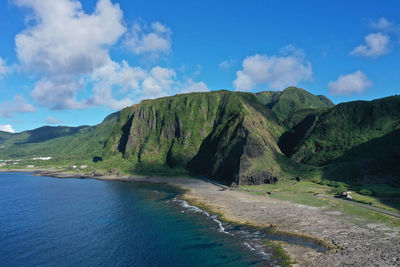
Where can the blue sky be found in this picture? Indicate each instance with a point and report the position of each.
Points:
(70, 62)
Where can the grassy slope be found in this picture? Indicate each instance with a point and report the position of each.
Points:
(365, 134)
(348, 125)
(292, 104)
(357, 143)
(61, 142)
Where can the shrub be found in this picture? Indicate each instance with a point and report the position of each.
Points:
(367, 192)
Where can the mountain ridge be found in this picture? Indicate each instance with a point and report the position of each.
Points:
(232, 137)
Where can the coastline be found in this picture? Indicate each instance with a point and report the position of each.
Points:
(348, 243)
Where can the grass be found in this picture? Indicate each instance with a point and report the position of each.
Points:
(355, 213)
(290, 186)
(302, 193)
(279, 254)
(378, 202)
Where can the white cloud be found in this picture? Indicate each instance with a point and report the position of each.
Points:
(278, 72)
(383, 24)
(348, 84)
(158, 82)
(110, 76)
(226, 64)
(51, 120)
(58, 93)
(151, 41)
(63, 43)
(66, 40)
(7, 128)
(4, 69)
(376, 44)
(17, 105)
(191, 86)
(135, 81)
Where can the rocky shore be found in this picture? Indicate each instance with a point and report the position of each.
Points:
(349, 243)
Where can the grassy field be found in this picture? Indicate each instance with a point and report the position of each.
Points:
(293, 187)
(384, 197)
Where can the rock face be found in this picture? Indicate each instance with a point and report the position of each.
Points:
(228, 136)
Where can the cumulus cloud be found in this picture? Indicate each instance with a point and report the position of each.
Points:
(277, 71)
(68, 51)
(348, 84)
(62, 43)
(158, 82)
(113, 75)
(191, 86)
(58, 93)
(376, 44)
(64, 39)
(149, 40)
(17, 105)
(136, 81)
(7, 128)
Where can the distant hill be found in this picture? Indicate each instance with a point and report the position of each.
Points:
(61, 141)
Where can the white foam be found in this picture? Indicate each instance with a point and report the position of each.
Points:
(248, 246)
(253, 236)
(185, 205)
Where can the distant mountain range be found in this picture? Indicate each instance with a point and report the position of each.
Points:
(235, 137)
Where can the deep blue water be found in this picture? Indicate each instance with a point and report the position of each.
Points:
(77, 222)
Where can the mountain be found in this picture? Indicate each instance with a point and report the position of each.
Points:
(234, 137)
(61, 141)
(228, 136)
(362, 134)
(292, 104)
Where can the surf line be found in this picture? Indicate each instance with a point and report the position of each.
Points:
(186, 205)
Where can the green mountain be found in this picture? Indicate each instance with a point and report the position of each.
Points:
(360, 136)
(227, 136)
(61, 142)
(237, 137)
(292, 104)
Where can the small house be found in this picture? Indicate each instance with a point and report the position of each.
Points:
(347, 194)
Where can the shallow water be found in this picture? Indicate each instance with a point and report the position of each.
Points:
(78, 222)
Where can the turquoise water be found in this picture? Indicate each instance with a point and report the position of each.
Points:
(77, 222)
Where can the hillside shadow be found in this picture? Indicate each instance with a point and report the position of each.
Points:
(376, 162)
(125, 135)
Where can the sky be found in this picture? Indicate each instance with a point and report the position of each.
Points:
(70, 62)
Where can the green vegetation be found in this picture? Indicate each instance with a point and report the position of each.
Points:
(279, 254)
(361, 137)
(61, 143)
(292, 100)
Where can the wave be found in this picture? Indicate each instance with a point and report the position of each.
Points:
(253, 240)
(186, 205)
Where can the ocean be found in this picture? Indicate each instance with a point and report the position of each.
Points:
(48, 221)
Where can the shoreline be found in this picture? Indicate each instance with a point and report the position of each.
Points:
(348, 243)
